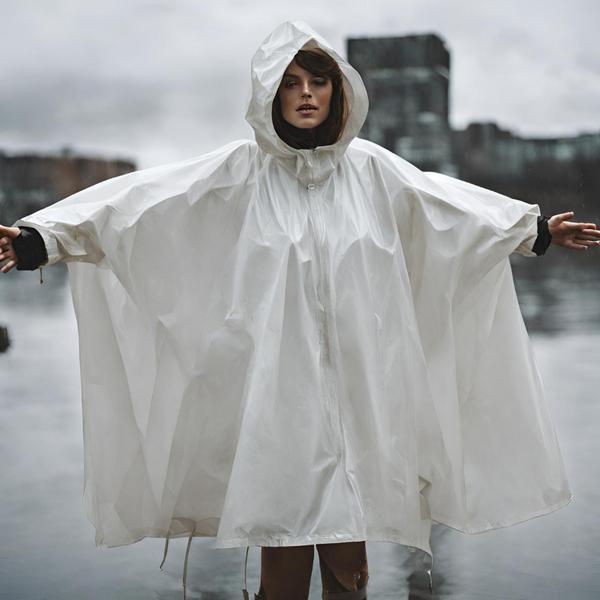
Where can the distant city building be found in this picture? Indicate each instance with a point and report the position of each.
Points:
(407, 79)
(29, 182)
(486, 150)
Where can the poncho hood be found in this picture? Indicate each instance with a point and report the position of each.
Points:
(267, 68)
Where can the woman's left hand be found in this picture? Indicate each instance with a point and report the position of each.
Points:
(576, 236)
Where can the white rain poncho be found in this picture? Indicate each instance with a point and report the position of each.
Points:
(285, 347)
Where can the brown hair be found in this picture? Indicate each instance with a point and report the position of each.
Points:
(318, 62)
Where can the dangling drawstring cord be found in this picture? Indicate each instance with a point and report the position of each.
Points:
(165, 552)
(41, 280)
(245, 588)
(185, 562)
(429, 575)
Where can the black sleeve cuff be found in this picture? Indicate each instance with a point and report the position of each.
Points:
(30, 249)
(544, 238)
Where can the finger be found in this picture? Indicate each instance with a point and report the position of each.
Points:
(593, 232)
(5, 244)
(586, 243)
(10, 253)
(11, 232)
(578, 226)
(563, 216)
(574, 245)
(8, 266)
(590, 226)
(588, 235)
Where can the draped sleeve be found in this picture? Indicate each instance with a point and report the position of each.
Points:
(501, 460)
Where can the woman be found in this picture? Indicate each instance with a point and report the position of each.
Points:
(303, 340)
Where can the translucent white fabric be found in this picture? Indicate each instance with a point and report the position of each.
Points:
(285, 347)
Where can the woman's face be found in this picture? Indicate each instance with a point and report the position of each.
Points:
(300, 88)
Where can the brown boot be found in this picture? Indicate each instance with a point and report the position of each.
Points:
(261, 594)
(333, 589)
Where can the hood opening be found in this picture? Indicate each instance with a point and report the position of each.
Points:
(267, 68)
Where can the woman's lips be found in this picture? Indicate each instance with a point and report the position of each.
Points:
(306, 111)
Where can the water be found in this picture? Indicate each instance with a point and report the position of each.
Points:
(47, 549)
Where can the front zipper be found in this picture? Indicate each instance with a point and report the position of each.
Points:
(324, 316)
(318, 227)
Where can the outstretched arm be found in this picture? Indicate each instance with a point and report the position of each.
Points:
(575, 236)
(22, 247)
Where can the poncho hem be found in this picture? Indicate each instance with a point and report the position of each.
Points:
(278, 541)
(282, 541)
(274, 541)
(506, 522)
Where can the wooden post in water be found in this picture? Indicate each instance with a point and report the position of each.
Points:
(4, 339)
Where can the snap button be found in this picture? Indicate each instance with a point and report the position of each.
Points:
(311, 186)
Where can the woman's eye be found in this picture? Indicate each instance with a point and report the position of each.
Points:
(291, 83)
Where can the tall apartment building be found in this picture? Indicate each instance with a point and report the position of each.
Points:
(407, 80)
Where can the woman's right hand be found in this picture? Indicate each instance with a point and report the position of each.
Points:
(7, 252)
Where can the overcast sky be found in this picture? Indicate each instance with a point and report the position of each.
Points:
(163, 80)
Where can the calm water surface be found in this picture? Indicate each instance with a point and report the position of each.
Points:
(47, 546)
